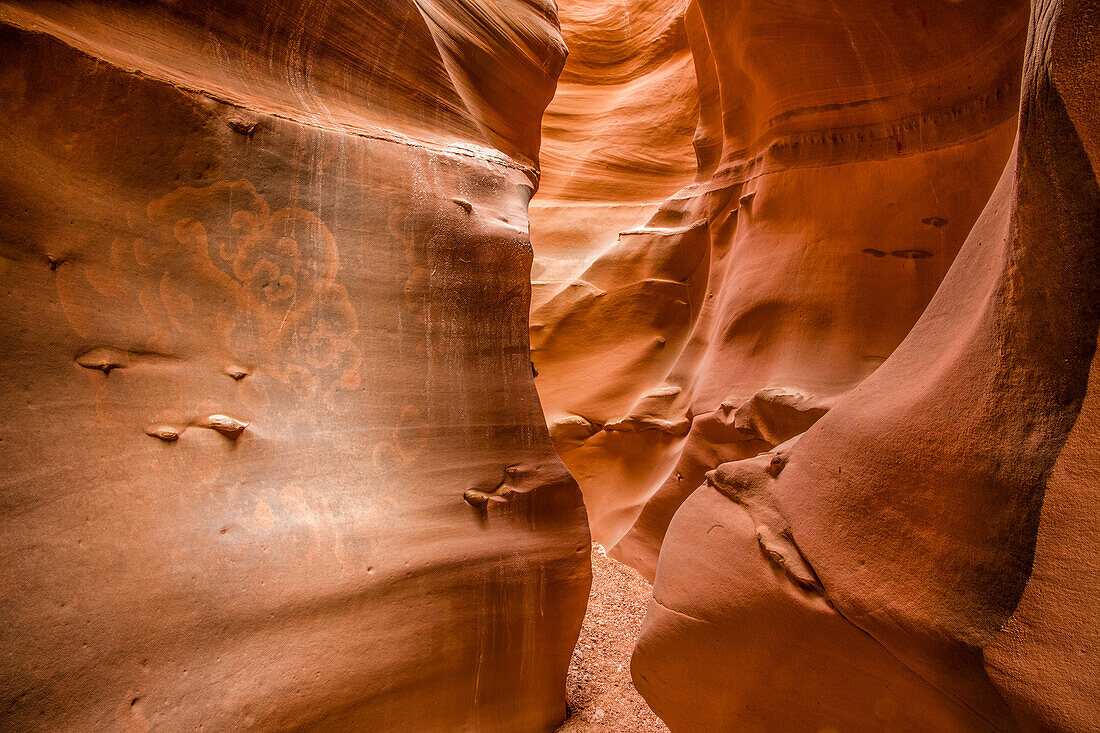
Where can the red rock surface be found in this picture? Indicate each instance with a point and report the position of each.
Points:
(272, 454)
(842, 153)
(922, 557)
(810, 292)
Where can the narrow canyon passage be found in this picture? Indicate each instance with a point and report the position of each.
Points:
(518, 366)
(747, 209)
(743, 209)
(600, 695)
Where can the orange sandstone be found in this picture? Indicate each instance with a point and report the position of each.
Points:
(265, 279)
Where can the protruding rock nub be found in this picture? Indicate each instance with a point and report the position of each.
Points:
(475, 498)
(227, 426)
(746, 198)
(244, 127)
(166, 433)
(776, 465)
(53, 261)
(236, 373)
(105, 360)
(466, 205)
(569, 432)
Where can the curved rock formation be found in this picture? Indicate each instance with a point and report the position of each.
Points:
(272, 452)
(924, 556)
(842, 152)
(814, 303)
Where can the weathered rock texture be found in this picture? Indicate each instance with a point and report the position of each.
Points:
(814, 321)
(272, 456)
(782, 190)
(924, 557)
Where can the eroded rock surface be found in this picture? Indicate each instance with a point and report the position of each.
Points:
(746, 207)
(265, 280)
(923, 557)
(814, 306)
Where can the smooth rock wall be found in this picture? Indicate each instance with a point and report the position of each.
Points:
(923, 557)
(272, 453)
(842, 152)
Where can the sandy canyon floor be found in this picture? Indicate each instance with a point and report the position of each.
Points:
(600, 693)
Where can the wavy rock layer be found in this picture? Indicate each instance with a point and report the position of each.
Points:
(272, 452)
(784, 190)
(924, 556)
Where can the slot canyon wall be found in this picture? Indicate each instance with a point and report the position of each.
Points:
(925, 556)
(745, 208)
(272, 453)
(810, 293)
(862, 317)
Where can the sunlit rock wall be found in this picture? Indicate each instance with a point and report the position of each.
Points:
(272, 455)
(924, 557)
(747, 206)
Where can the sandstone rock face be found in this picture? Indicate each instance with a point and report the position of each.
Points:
(272, 453)
(924, 556)
(814, 301)
(786, 187)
